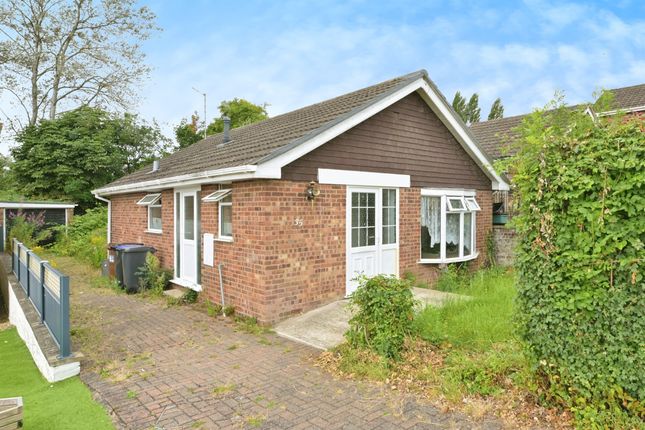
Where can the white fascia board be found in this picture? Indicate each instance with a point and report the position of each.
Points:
(275, 164)
(210, 176)
(15, 205)
(439, 106)
(366, 179)
(625, 110)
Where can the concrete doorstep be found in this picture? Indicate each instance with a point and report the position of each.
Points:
(324, 327)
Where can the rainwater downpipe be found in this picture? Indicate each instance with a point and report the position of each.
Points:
(109, 221)
(221, 285)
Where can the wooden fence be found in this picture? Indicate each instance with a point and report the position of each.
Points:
(48, 291)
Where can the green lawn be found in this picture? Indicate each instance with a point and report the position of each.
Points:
(62, 405)
(474, 324)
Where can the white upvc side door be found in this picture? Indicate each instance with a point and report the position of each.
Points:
(372, 244)
(188, 232)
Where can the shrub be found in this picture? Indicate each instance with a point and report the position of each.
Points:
(153, 277)
(383, 315)
(581, 225)
(28, 229)
(85, 237)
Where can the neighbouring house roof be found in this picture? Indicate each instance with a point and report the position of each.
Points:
(34, 204)
(495, 136)
(259, 150)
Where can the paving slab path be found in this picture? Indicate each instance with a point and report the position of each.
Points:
(157, 367)
(324, 327)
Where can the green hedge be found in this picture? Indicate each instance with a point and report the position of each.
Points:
(581, 188)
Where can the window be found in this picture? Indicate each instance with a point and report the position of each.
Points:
(363, 219)
(154, 216)
(447, 226)
(226, 217)
(153, 202)
(389, 216)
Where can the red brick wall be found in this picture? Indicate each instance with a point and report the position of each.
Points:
(130, 222)
(287, 255)
(275, 267)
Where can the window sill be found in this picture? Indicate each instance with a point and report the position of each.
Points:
(447, 260)
(153, 231)
(223, 239)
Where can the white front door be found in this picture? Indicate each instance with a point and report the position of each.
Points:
(372, 233)
(188, 236)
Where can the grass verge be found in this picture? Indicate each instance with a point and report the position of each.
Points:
(63, 405)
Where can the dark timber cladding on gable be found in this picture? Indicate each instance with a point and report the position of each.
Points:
(406, 138)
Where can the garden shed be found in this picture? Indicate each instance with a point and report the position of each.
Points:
(49, 213)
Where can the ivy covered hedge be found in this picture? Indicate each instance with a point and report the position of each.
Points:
(581, 190)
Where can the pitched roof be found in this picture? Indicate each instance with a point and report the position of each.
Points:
(259, 141)
(496, 135)
(628, 98)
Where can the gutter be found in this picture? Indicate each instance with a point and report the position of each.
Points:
(210, 176)
(109, 223)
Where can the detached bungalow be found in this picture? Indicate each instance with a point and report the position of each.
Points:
(386, 179)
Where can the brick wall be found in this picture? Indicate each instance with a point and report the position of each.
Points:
(287, 255)
(130, 222)
(504, 239)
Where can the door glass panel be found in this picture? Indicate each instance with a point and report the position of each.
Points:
(189, 217)
(452, 235)
(363, 219)
(389, 217)
(468, 234)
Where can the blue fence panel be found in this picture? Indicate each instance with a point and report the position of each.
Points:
(22, 268)
(35, 286)
(48, 291)
(56, 299)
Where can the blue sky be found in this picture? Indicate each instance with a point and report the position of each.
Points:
(293, 53)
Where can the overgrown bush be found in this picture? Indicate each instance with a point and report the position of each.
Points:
(152, 277)
(29, 230)
(85, 237)
(383, 315)
(581, 225)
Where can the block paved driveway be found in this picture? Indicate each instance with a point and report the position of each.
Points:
(172, 368)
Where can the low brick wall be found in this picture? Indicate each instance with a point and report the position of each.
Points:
(505, 240)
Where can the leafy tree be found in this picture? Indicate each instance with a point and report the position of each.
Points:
(496, 110)
(473, 111)
(241, 112)
(69, 53)
(81, 150)
(187, 133)
(7, 182)
(459, 105)
(580, 260)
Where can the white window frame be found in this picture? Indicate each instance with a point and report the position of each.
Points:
(446, 208)
(149, 199)
(222, 203)
(472, 204)
(217, 195)
(155, 204)
(451, 208)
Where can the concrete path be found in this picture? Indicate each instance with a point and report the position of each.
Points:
(323, 328)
